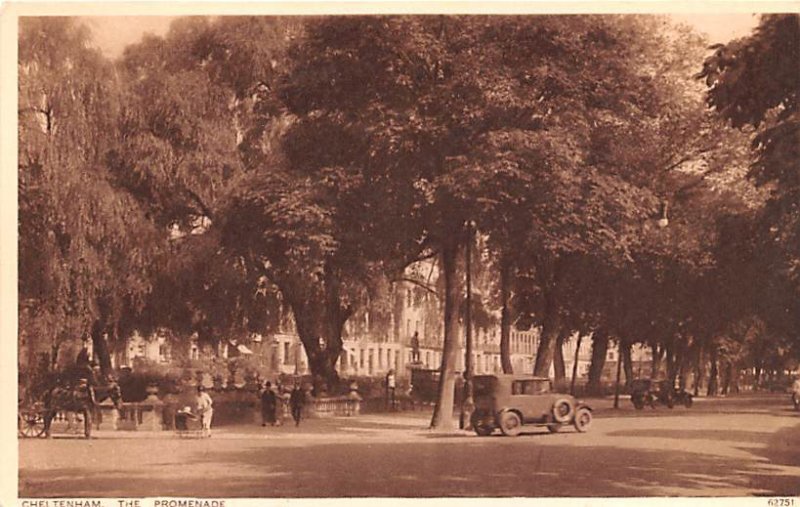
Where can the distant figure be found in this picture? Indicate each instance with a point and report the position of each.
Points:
(415, 347)
(391, 387)
(205, 409)
(296, 401)
(796, 393)
(269, 403)
(83, 369)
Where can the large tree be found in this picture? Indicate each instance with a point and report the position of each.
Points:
(86, 246)
(753, 82)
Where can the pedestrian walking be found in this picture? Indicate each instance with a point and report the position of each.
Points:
(269, 403)
(391, 387)
(205, 409)
(296, 401)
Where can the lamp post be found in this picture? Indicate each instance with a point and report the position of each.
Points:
(468, 404)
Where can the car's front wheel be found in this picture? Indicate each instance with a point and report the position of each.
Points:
(510, 424)
(583, 419)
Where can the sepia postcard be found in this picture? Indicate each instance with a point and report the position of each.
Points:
(419, 252)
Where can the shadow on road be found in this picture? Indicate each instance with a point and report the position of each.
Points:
(474, 467)
(684, 434)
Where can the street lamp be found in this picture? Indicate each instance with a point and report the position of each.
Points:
(468, 404)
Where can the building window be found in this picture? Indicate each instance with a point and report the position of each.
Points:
(286, 353)
(163, 353)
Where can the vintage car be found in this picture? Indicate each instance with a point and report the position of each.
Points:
(509, 402)
(649, 391)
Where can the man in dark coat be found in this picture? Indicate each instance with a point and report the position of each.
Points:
(268, 404)
(296, 401)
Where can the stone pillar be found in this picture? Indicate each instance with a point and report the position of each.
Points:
(106, 416)
(152, 411)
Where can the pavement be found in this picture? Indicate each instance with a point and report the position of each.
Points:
(739, 446)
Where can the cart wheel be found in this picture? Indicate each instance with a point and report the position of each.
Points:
(510, 424)
(30, 424)
(687, 401)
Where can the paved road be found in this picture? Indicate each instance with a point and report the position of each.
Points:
(737, 446)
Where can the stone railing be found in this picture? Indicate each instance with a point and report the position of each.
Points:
(339, 406)
(145, 415)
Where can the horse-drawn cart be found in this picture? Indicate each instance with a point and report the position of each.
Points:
(35, 416)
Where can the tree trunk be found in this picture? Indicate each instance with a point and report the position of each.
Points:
(443, 410)
(547, 342)
(560, 373)
(575, 364)
(505, 317)
(683, 366)
(619, 369)
(699, 369)
(655, 369)
(627, 362)
(319, 322)
(100, 347)
(712, 376)
(726, 377)
(546, 348)
(735, 379)
(599, 352)
(672, 364)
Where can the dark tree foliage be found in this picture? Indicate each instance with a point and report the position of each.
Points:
(755, 83)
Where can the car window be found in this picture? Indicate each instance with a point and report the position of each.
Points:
(529, 387)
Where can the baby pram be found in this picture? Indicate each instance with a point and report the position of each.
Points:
(187, 424)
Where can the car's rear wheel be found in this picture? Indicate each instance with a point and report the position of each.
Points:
(553, 428)
(583, 419)
(481, 429)
(510, 424)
